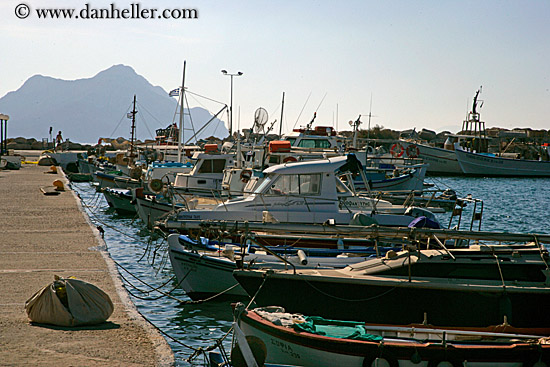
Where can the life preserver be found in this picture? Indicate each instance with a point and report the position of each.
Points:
(290, 159)
(246, 175)
(413, 151)
(397, 150)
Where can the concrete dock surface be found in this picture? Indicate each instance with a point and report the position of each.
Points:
(42, 236)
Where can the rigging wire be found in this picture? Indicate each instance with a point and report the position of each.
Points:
(122, 118)
(304, 106)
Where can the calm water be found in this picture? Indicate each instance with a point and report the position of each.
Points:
(510, 204)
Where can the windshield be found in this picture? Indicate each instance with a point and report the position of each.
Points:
(263, 185)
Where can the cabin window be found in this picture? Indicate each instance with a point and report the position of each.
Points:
(341, 187)
(263, 185)
(212, 166)
(297, 185)
(314, 143)
(274, 159)
(291, 140)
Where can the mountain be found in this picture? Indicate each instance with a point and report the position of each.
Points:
(87, 109)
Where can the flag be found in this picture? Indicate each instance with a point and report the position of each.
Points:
(130, 115)
(174, 93)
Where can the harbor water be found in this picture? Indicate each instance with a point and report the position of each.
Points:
(509, 204)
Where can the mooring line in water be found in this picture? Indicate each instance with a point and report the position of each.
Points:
(92, 207)
(153, 289)
(348, 299)
(209, 298)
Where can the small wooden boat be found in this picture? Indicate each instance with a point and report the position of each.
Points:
(294, 339)
(120, 199)
(476, 286)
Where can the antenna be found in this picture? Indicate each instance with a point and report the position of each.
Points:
(282, 109)
(302, 110)
(321, 102)
(260, 119)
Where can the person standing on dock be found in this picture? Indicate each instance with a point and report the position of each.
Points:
(58, 141)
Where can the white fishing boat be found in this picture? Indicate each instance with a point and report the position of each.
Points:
(440, 160)
(444, 159)
(393, 178)
(308, 192)
(204, 268)
(486, 164)
(205, 179)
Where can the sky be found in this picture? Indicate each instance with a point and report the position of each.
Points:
(410, 64)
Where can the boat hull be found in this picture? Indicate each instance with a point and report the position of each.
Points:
(485, 165)
(284, 345)
(440, 160)
(120, 200)
(203, 274)
(395, 300)
(149, 211)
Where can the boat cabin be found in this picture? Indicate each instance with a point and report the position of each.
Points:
(207, 173)
(311, 192)
(322, 137)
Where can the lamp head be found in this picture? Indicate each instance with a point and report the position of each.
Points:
(224, 71)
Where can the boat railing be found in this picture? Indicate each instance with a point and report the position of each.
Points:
(477, 212)
(248, 236)
(402, 235)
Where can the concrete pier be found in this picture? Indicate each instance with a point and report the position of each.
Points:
(42, 236)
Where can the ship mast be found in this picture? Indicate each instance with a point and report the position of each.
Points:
(132, 136)
(182, 96)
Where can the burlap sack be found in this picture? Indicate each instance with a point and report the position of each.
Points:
(86, 304)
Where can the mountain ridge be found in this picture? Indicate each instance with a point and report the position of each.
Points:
(88, 108)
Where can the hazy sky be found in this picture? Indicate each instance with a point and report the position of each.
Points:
(421, 61)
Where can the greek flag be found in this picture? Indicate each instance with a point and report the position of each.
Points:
(174, 93)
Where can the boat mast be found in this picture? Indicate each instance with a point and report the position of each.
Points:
(282, 109)
(132, 137)
(474, 126)
(182, 96)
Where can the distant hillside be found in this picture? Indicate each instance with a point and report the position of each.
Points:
(87, 109)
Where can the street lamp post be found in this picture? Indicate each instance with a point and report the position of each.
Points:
(239, 73)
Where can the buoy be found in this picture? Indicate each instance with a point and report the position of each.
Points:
(59, 185)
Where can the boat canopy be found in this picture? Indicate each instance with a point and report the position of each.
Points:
(342, 164)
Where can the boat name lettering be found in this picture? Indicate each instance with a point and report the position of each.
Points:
(345, 204)
(189, 216)
(297, 202)
(486, 159)
(285, 348)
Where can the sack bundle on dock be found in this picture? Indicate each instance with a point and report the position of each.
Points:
(69, 302)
